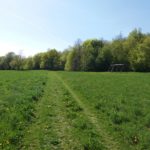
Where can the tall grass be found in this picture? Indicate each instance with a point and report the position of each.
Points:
(19, 93)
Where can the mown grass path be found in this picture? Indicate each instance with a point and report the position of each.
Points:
(64, 122)
(50, 130)
(107, 140)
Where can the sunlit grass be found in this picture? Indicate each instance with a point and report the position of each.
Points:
(120, 101)
(74, 110)
(19, 92)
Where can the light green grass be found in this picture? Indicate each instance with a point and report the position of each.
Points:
(120, 102)
(61, 122)
(74, 110)
(19, 93)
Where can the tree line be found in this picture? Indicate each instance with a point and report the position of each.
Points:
(91, 55)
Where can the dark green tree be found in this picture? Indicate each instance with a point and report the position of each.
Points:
(90, 51)
(73, 62)
(105, 58)
(37, 61)
(16, 63)
(50, 60)
(140, 56)
(28, 63)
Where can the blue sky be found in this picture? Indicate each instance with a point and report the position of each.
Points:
(31, 26)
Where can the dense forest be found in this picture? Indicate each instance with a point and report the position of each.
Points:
(91, 55)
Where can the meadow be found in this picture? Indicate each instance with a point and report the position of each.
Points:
(74, 110)
(19, 93)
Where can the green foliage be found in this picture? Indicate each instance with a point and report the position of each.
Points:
(69, 66)
(2, 63)
(50, 60)
(90, 51)
(98, 55)
(73, 62)
(28, 63)
(119, 53)
(36, 61)
(139, 57)
(90, 55)
(63, 58)
(16, 63)
(104, 58)
(8, 58)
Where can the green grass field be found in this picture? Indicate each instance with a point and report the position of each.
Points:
(43, 110)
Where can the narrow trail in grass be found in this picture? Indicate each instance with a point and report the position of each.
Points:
(51, 128)
(107, 140)
(63, 122)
